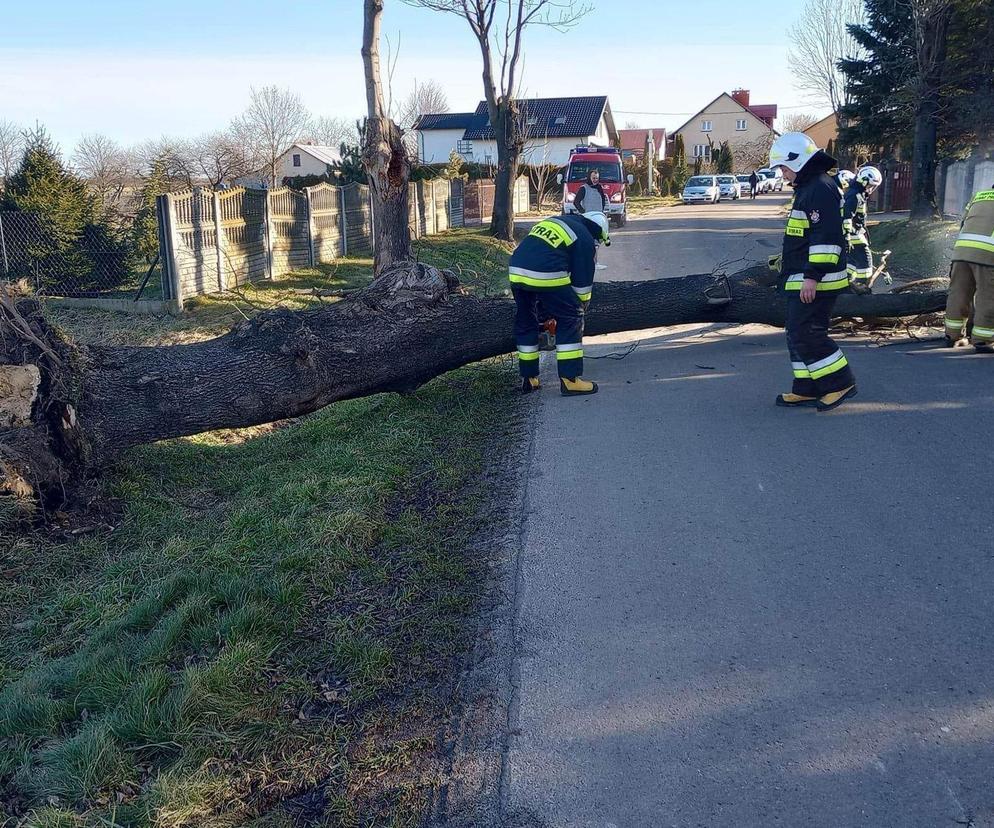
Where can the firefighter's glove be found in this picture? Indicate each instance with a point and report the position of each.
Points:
(774, 262)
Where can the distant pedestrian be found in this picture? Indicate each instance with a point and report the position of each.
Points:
(971, 277)
(753, 183)
(591, 198)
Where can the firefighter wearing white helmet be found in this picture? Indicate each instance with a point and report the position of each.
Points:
(812, 275)
(552, 271)
(859, 262)
(844, 178)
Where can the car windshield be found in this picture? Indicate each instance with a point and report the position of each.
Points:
(701, 181)
(743, 178)
(726, 179)
(767, 174)
(610, 170)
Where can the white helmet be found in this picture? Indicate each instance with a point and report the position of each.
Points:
(792, 150)
(601, 221)
(870, 178)
(845, 178)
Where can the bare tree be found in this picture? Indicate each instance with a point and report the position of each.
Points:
(273, 121)
(931, 20)
(218, 158)
(499, 26)
(630, 124)
(820, 39)
(384, 156)
(107, 167)
(172, 158)
(425, 99)
(798, 122)
(11, 147)
(332, 132)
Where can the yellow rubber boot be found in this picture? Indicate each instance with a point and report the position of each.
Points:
(789, 400)
(578, 387)
(836, 398)
(529, 384)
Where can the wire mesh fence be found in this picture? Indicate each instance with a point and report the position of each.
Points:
(85, 264)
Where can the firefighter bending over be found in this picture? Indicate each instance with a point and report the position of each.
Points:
(859, 262)
(554, 266)
(971, 276)
(813, 275)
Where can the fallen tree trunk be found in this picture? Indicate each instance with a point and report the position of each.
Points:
(91, 403)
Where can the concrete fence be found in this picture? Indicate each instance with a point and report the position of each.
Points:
(215, 241)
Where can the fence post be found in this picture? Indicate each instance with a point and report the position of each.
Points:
(310, 227)
(169, 245)
(345, 223)
(219, 242)
(372, 223)
(266, 218)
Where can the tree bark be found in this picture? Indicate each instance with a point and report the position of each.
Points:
(411, 324)
(933, 23)
(384, 157)
(509, 147)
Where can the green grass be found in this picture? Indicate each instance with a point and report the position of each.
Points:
(640, 205)
(919, 250)
(268, 633)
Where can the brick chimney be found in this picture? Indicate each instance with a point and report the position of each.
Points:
(741, 96)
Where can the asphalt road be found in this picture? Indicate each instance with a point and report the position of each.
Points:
(729, 614)
(695, 239)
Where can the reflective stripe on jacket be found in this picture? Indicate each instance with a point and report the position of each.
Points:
(814, 244)
(975, 242)
(558, 251)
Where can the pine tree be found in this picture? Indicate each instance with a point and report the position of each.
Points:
(145, 229)
(726, 160)
(60, 200)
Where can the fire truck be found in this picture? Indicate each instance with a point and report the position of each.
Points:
(607, 162)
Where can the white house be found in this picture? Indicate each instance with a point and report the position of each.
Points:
(307, 159)
(554, 127)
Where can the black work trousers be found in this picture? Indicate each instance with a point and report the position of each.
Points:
(819, 365)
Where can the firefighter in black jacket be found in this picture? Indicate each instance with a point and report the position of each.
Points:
(859, 262)
(813, 271)
(554, 266)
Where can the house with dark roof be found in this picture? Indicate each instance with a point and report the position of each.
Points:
(553, 126)
(731, 117)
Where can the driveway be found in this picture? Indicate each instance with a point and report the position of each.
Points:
(729, 614)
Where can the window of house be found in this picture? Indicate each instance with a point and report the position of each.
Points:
(702, 151)
(705, 126)
(740, 125)
(296, 159)
(464, 147)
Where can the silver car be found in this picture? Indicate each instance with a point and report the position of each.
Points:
(701, 189)
(729, 187)
(745, 188)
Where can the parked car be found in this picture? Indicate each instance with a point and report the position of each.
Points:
(775, 179)
(745, 188)
(728, 185)
(701, 188)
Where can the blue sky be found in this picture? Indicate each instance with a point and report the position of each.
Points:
(140, 69)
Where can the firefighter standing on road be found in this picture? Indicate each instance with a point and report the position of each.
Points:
(814, 273)
(859, 262)
(971, 276)
(554, 266)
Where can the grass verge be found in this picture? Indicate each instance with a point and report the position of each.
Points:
(267, 636)
(640, 205)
